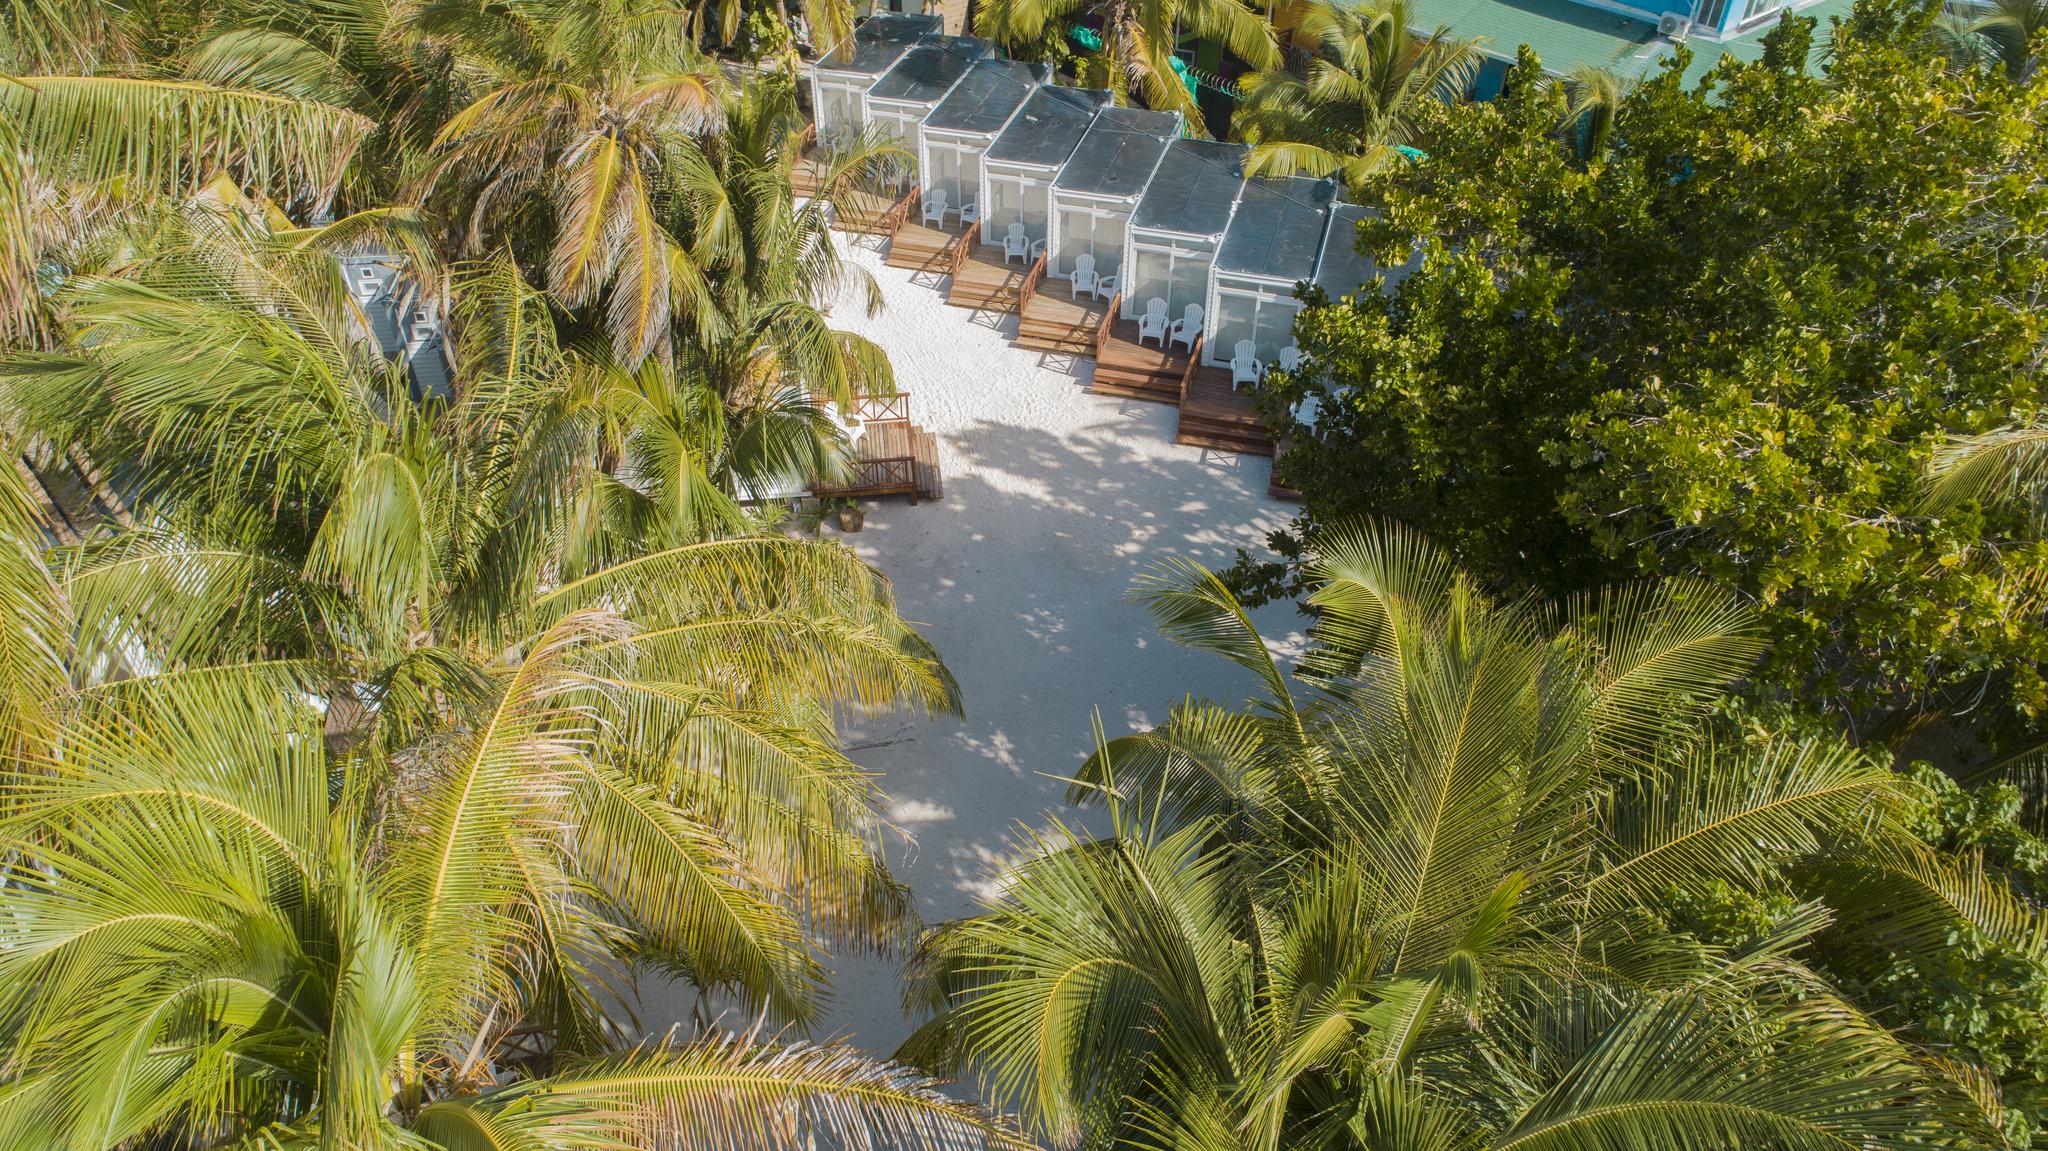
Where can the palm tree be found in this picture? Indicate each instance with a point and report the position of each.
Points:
(1420, 909)
(224, 933)
(1593, 99)
(564, 148)
(1138, 39)
(303, 512)
(2010, 28)
(1362, 98)
(67, 138)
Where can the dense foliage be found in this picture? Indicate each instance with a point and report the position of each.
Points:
(1727, 344)
(1483, 880)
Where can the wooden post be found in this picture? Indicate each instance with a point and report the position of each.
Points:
(963, 250)
(1030, 286)
(1108, 323)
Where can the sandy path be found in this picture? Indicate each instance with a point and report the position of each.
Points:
(1055, 500)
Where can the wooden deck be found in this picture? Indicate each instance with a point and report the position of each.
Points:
(1274, 487)
(982, 281)
(1052, 321)
(1214, 416)
(922, 248)
(1124, 367)
(891, 458)
(873, 214)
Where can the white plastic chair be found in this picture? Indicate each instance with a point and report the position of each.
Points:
(1015, 245)
(1106, 287)
(1153, 323)
(1185, 329)
(1245, 367)
(1085, 278)
(1289, 358)
(970, 212)
(935, 208)
(1309, 410)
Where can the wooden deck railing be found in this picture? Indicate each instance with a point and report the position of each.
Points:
(964, 249)
(1032, 279)
(1187, 378)
(894, 217)
(1108, 323)
(875, 408)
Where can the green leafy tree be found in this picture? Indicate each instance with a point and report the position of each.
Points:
(1727, 347)
(1362, 98)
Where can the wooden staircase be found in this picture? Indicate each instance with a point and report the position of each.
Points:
(1050, 321)
(1212, 415)
(921, 248)
(1124, 367)
(981, 280)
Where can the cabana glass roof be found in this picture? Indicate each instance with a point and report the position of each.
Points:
(1193, 189)
(1045, 131)
(987, 96)
(930, 70)
(1342, 269)
(1117, 155)
(1278, 228)
(879, 42)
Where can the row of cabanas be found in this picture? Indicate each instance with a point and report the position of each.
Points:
(1163, 217)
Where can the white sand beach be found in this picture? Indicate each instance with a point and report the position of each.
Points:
(1055, 499)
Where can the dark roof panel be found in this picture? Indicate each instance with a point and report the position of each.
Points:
(879, 42)
(1193, 188)
(1342, 269)
(985, 99)
(1046, 129)
(1118, 154)
(930, 70)
(1277, 228)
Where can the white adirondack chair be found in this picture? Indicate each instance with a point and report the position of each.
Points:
(1085, 278)
(1186, 328)
(1106, 287)
(1309, 410)
(1152, 324)
(1245, 367)
(970, 212)
(1016, 246)
(935, 208)
(1289, 358)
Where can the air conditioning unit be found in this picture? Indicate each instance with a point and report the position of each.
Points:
(1673, 26)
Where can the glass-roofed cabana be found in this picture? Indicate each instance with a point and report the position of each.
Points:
(967, 121)
(907, 93)
(1098, 188)
(1342, 269)
(841, 78)
(1178, 225)
(1018, 169)
(1270, 246)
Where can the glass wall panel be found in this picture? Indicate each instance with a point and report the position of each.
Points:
(1276, 327)
(1005, 207)
(1151, 278)
(839, 111)
(1108, 244)
(1237, 318)
(1037, 208)
(1190, 282)
(944, 175)
(1075, 227)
